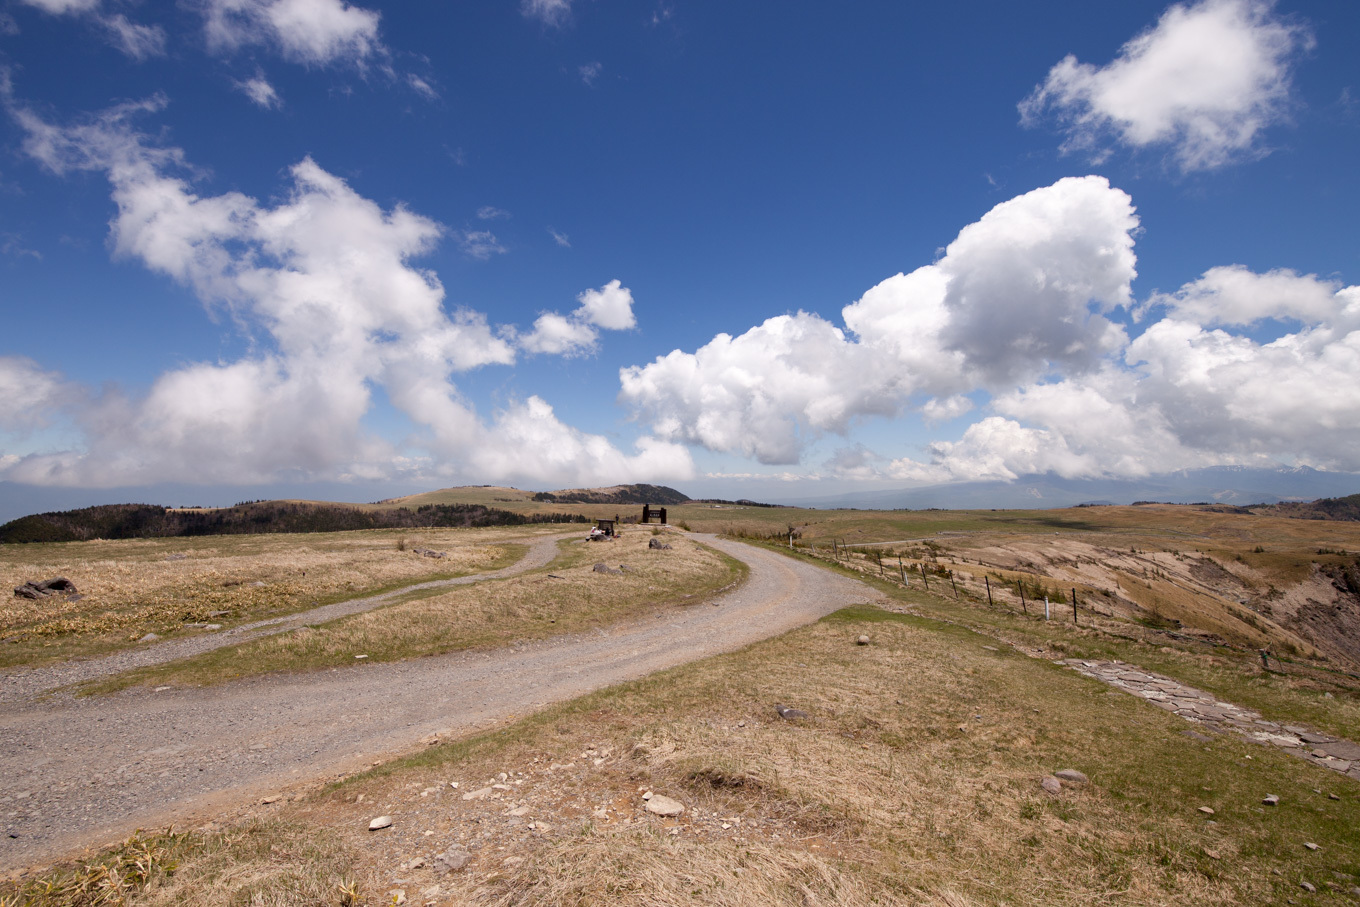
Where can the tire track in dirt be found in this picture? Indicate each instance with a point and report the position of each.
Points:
(80, 772)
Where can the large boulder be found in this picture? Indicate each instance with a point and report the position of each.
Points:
(58, 585)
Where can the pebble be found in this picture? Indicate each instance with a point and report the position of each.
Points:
(1051, 784)
(665, 806)
(1271, 800)
(1308, 887)
(477, 794)
(1311, 846)
(1207, 810)
(1071, 774)
(380, 822)
(862, 641)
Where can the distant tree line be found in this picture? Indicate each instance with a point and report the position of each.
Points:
(132, 521)
(1347, 508)
(622, 494)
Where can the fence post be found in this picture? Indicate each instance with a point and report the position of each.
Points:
(1074, 604)
(951, 583)
(924, 579)
(902, 570)
(1045, 607)
(989, 591)
(1023, 607)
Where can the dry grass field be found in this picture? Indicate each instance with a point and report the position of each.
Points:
(567, 597)
(914, 778)
(141, 586)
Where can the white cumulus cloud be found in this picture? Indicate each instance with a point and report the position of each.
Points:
(327, 276)
(1205, 82)
(610, 307)
(1017, 294)
(1017, 322)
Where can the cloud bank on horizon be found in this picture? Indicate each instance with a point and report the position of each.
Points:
(1026, 326)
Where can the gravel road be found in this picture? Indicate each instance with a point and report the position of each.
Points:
(84, 772)
(25, 683)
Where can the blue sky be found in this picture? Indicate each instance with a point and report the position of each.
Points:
(306, 244)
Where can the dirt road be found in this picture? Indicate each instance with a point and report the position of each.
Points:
(25, 683)
(82, 772)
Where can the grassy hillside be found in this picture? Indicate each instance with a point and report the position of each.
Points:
(128, 521)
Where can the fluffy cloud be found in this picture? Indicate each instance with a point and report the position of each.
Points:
(327, 276)
(313, 32)
(610, 307)
(1205, 81)
(1016, 314)
(1015, 295)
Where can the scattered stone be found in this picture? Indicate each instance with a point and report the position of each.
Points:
(1310, 845)
(150, 637)
(1212, 854)
(605, 568)
(274, 799)
(665, 806)
(1333, 797)
(1051, 785)
(1071, 774)
(451, 860)
(657, 545)
(478, 794)
(58, 585)
(519, 811)
(862, 641)
(1271, 800)
(1308, 887)
(789, 714)
(1207, 810)
(380, 822)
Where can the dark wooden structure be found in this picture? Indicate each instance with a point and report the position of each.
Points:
(608, 527)
(648, 513)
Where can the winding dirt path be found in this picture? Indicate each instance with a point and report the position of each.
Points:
(82, 772)
(25, 683)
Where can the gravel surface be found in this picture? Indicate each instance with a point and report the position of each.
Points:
(81, 772)
(25, 683)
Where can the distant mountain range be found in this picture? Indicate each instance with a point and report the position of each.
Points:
(1239, 485)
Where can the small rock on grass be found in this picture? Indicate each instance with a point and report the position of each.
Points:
(1311, 846)
(1071, 774)
(1308, 887)
(1271, 800)
(1207, 810)
(789, 714)
(665, 806)
(451, 860)
(862, 641)
(1051, 785)
(380, 822)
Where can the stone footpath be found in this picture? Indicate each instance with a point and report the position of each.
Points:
(1203, 709)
